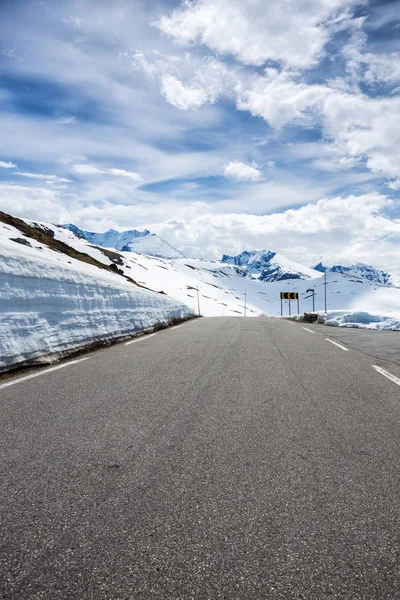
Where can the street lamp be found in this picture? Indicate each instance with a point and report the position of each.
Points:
(313, 297)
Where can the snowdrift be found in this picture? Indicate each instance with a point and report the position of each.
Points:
(361, 320)
(52, 304)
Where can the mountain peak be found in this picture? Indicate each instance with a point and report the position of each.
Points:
(267, 265)
(131, 240)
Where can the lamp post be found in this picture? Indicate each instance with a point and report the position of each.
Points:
(223, 307)
(190, 287)
(313, 297)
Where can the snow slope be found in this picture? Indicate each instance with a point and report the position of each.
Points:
(133, 240)
(270, 266)
(51, 303)
(222, 286)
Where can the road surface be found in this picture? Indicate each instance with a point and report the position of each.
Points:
(225, 458)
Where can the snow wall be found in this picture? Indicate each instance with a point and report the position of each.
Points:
(47, 310)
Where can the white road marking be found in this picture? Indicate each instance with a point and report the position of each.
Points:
(141, 339)
(338, 345)
(310, 330)
(290, 322)
(386, 374)
(177, 326)
(72, 362)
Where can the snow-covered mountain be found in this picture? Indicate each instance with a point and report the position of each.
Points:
(269, 266)
(133, 240)
(59, 292)
(220, 288)
(364, 271)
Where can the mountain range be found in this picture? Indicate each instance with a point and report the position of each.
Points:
(361, 270)
(209, 287)
(264, 265)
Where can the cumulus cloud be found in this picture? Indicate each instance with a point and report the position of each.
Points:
(257, 31)
(338, 229)
(365, 127)
(7, 165)
(394, 184)
(33, 202)
(279, 99)
(371, 68)
(183, 96)
(242, 172)
(186, 82)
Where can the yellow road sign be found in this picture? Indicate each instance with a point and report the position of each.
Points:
(289, 296)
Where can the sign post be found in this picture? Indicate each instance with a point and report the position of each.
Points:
(290, 296)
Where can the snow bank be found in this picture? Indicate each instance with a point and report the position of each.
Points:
(360, 319)
(51, 303)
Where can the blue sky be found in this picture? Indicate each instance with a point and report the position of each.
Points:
(222, 125)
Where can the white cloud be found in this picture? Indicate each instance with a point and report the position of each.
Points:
(340, 229)
(181, 96)
(394, 184)
(33, 202)
(257, 31)
(7, 165)
(280, 100)
(186, 82)
(362, 126)
(123, 173)
(54, 178)
(67, 120)
(87, 170)
(242, 172)
(369, 67)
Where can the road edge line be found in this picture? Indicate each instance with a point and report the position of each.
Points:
(337, 344)
(68, 364)
(386, 374)
(141, 339)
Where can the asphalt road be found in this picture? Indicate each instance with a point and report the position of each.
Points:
(383, 345)
(226, 458)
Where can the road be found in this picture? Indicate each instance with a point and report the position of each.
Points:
(225, 458)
